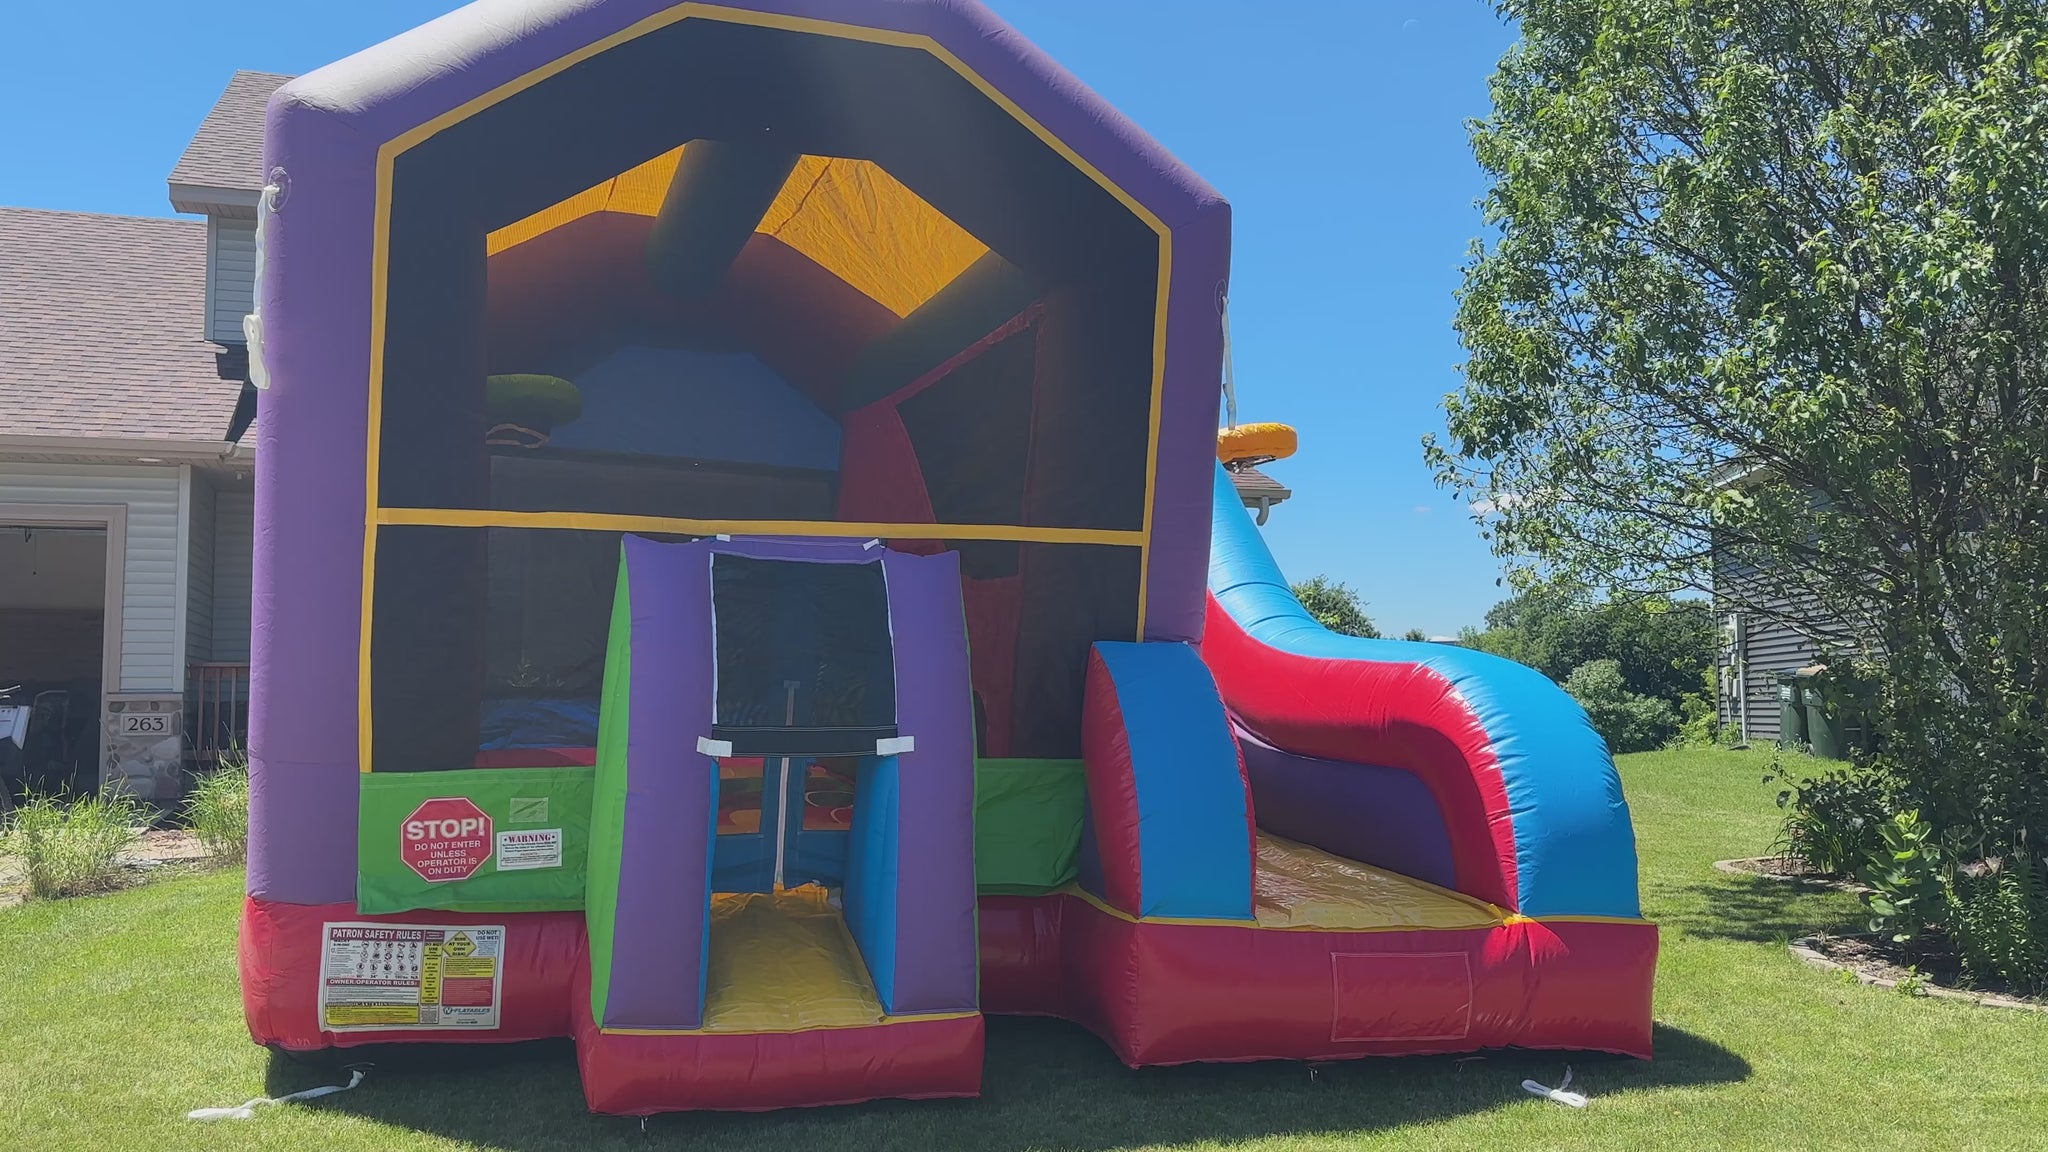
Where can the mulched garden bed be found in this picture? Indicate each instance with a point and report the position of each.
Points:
(1790, 869)
(1929, 969)
(158, 852)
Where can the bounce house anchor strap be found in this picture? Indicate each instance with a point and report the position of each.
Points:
(1558, 1094)
(247, 1111)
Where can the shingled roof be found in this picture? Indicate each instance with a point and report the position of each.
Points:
(100, 322)
(227, 151)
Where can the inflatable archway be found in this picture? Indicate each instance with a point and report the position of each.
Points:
(733, 501)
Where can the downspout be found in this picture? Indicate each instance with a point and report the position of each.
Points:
(1742, 677)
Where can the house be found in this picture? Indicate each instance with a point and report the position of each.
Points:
(1772, 623)
(1753, 647)
(125, 470)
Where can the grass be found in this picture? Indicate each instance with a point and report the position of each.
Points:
(218, 810)
(69, 847)
(119, 1013)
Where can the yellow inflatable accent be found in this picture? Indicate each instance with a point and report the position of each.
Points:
(637, 190)
(783, 962)
(1303, 887)
(852, 217)
(870, 231)
(1255, 443)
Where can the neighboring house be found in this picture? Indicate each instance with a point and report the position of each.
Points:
(1754, 647)
(1768, 627)
(125, 469)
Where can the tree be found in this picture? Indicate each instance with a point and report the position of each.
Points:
(1415, 634)
(1772, 280)
(1335, 606)
(1663, 647)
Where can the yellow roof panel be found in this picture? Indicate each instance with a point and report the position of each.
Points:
(850, 216)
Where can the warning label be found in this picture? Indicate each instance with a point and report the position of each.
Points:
(531, 848)
(384, 976)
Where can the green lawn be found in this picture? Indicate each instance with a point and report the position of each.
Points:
(119, 1013)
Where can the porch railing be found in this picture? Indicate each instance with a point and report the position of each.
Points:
(218, 696)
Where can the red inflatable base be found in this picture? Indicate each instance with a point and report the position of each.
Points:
(1157, 993)
(639, 1075)
(1161, 993)
(280, 960)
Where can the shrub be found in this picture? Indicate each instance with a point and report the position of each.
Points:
(1908, 879)
(218, 809)
(73, 847)
(1998, 919)
(1629, 722)
(1832, 819)
(1699, 715)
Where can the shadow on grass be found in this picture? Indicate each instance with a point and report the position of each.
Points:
(1047, 1085)
(1754, 909)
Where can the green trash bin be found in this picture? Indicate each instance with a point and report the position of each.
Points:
(1826, 714)
(1791, 710)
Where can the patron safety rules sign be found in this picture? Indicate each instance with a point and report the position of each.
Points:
(391, 976)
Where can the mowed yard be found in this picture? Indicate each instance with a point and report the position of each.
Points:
(119, 1013)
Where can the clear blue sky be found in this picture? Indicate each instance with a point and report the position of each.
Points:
(1335, 128)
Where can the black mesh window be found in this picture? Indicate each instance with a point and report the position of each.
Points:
(805, 661)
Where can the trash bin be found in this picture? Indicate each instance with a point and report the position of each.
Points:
(1825, 714)
(1791, 711)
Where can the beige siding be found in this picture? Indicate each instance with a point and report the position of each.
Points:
(233, 546)
(231, 277)
(150, 627)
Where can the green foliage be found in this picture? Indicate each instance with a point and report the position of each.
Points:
(1335, 606)
(1768, 283)
(1627, 721)
(1832, 819)
(1663, 646)
(72, 847)
(1908, 879)
(1415, 634)
(1998, 919)
(1699, 716)
(218, 809)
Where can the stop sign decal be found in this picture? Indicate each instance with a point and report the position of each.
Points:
(445, 839)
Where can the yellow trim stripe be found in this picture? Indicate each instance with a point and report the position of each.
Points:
(1501, 918)
(882, 1023)
(685, 526)
(380, 242)
(388, 152)
(1158, 403)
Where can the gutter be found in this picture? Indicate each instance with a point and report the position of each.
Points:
(232, 203)
(137, 449)
(1736, 474)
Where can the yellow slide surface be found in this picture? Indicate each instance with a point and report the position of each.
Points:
(783, 962)
(1302, 887)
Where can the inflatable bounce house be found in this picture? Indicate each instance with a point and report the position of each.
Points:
(744, 580)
